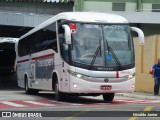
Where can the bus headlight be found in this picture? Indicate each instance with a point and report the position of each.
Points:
(130, 76)
(78, 75)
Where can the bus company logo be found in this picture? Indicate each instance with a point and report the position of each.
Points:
(106, 80)
(126, 72)
(45, 63)
(105, 68)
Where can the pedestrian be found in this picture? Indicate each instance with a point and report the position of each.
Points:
(156, 76)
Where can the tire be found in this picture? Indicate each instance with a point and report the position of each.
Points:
(58, 95)
(108, 97)
(28, 90)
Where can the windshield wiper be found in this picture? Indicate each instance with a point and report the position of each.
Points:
(95, 55)
(116, 58)
(114, 55)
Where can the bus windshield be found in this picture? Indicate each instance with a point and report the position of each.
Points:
(102, 45)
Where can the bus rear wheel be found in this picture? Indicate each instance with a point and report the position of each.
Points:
(108, 97)
(27, 89)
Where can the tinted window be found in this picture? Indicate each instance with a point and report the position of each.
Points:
(41, 40)
(23, 47)
(46, 39)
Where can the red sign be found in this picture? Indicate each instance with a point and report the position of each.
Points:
(106, 87)
(73, 27)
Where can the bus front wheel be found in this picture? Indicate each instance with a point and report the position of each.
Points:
(108, 97)
(58, 95)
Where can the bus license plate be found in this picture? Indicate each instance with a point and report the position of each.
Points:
(106, 87)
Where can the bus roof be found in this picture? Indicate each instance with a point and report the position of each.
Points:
(8, 39)
(89, 17)
(93, 17)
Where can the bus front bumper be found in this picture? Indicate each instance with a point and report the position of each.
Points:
(82, 86)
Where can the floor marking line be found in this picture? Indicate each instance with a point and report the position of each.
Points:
(148, 108)
(78, 114)
(12, 104)
(39, 103)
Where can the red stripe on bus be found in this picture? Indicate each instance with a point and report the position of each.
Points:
(44, 56)
(117, 74)
(23, 61)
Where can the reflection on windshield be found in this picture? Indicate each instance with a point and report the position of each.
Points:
(89, 37)
(119, 40)
(85, 41)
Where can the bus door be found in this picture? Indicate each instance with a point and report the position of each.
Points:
(32, 71)
(65, 67)
(65, 77)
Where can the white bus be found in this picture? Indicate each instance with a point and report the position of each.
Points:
(78, 53)
(8, 54)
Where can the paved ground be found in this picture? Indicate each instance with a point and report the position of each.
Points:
(140, 95)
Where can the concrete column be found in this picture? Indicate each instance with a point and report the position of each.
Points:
(139, 5)
(78, 5)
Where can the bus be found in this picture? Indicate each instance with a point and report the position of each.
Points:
(78, 53)
(8, 54)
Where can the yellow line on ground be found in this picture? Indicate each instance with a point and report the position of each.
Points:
(78, 114)
(148, 108)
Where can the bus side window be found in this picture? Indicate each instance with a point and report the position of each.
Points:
(65, 51)
(38, 39)
(50, 37)
(64, 47)
(23, 47)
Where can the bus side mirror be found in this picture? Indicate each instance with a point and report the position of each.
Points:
(67, 34)
(140, 35)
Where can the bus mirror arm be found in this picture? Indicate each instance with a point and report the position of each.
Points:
(140, 35)
(67, 34)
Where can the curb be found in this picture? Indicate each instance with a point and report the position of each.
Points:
(139, 95)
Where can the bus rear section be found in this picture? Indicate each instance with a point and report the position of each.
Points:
(7, 55)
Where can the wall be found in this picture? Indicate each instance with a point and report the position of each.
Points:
(106, 5)
(145, 57)
(33, 7)
(103, 5)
